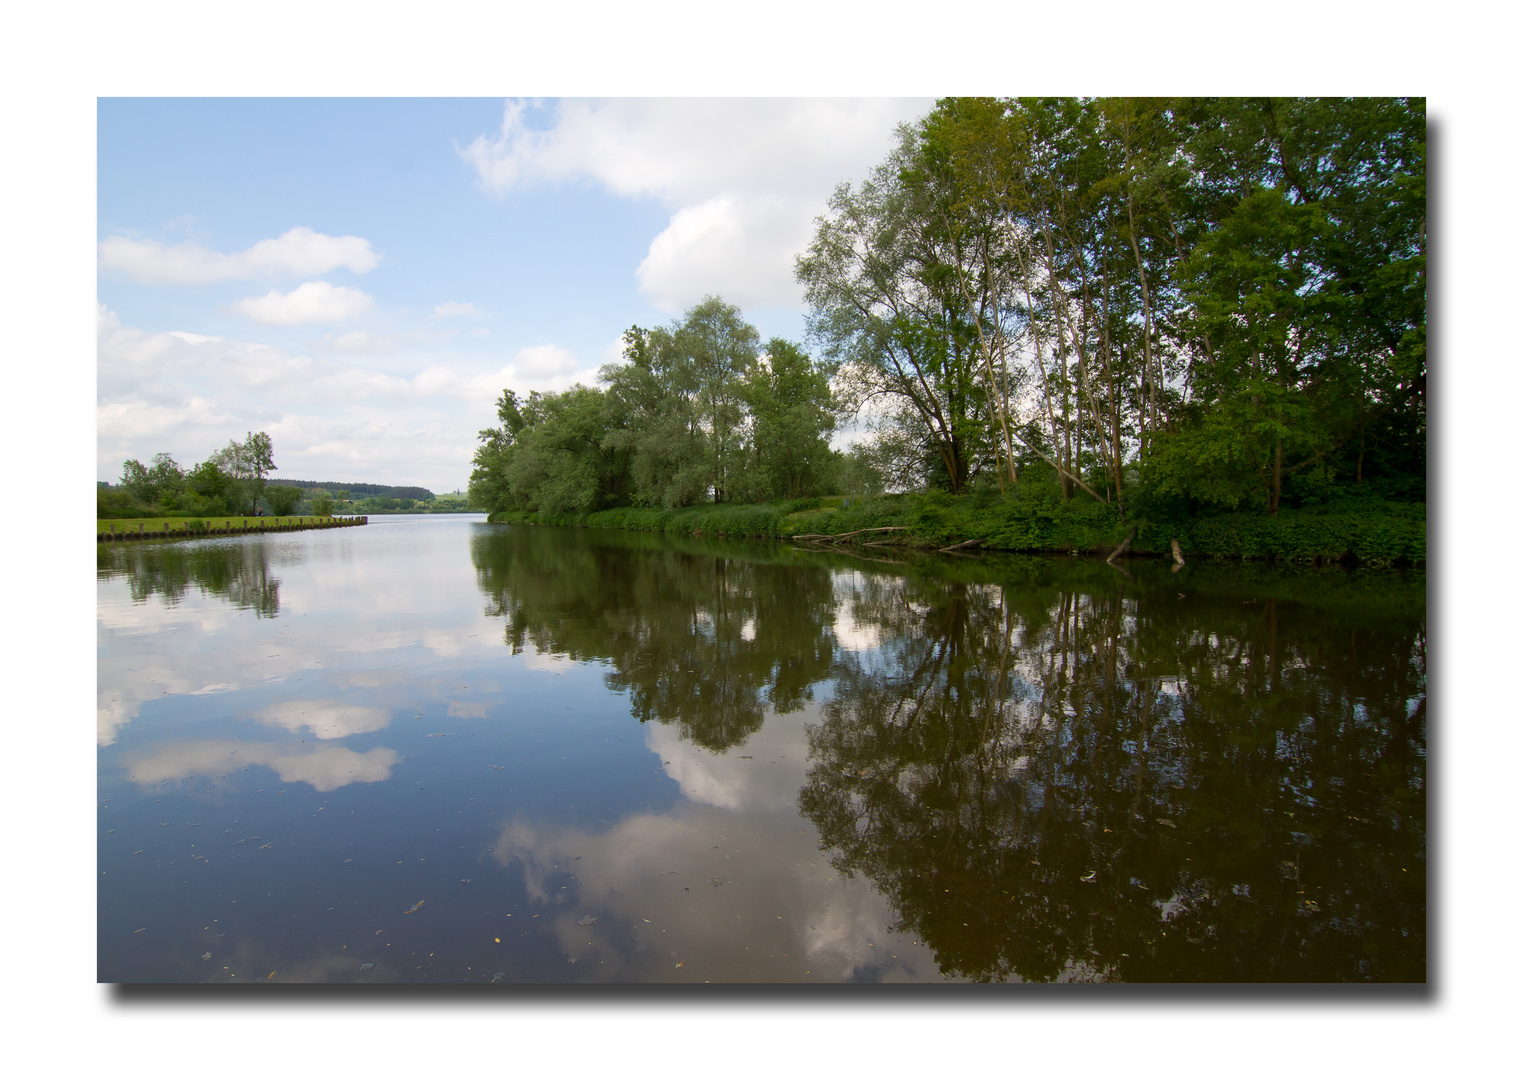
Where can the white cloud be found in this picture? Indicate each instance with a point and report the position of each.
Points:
(745, 178)
(452, 309)
(544, 361)
(384, 409)
(741, 241)
(314, 302)
(300, 252)
(359, 341)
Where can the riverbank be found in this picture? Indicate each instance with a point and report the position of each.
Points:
(109, 530)
(1368, 531)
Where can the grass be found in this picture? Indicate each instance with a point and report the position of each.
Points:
(179, 524)
(1369, 531)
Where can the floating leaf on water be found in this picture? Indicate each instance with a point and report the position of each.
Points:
(1166, 821)
(366, 967)
(437, 735)
(587, 920)
(716, 881)
(140, 931)
(246, 839)
(206, 956)
(499, 976)
(1089, 876)
(414, 908)
(465, 881)
(499, 768)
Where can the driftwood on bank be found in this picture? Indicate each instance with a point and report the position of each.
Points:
(1124, 545)
(835, 538)
(1179, 559)
(959, 547)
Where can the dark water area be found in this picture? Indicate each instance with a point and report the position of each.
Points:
(432, 750)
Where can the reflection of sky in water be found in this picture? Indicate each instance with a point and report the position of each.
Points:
(414, 752)
(377, 743)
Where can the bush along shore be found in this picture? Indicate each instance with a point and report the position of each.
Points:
(1371, 531)
(111, 531)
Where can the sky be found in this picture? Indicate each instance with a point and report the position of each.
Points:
(362, 278)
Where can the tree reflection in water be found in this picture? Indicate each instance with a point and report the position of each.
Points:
(237, 571)
(1110, 781)
(696, 637)
(1051, 771)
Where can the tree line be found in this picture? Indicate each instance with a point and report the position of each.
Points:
(700, 411)
(229, 481)
(1203, 303)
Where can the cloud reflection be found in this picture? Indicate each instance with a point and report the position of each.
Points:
(325, 768)
(779, 912)
(324, 719)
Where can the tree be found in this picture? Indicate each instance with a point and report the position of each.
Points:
(246, 463)
(154, 484)
(892, 310)
(791, 409)
(676, 406)
(283, 498)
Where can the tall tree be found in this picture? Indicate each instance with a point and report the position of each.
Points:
(792, 412)
(890, 310)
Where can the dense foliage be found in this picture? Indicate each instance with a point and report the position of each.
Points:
(699, 412)
(1210, 303)
(229, 481)
(1175, 308)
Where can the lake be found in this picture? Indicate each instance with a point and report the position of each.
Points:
(433, 750)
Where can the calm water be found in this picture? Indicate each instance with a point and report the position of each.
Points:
(435, 750)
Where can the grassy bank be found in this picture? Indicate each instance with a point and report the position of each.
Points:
(1370, 531)
(172, 527)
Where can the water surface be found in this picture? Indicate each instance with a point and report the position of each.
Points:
(435, 750)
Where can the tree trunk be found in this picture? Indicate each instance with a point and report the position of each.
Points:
(1124, 545)
(1279, 461)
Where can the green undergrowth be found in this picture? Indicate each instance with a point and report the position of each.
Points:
(1370, 531)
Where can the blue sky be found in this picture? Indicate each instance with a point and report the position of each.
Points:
(361, 278)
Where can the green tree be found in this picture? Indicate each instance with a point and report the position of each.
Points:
(676, 407)
(792, 414)
(891, 308)
(283, 498)
(155, 484)
(654, 421)
(246, 463)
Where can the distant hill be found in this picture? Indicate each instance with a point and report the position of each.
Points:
(359, 491)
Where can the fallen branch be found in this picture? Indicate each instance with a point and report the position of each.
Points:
(1124, 545)
(959, 547)
(838, 537)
